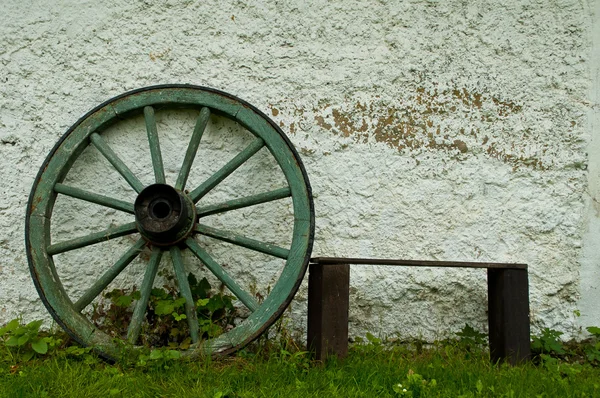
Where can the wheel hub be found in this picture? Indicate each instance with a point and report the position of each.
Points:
(163, 215)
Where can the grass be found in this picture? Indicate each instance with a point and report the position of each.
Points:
(371, 370)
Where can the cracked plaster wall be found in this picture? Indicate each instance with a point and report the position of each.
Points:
(446, 130)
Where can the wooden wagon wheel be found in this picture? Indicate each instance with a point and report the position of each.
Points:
(167, 217)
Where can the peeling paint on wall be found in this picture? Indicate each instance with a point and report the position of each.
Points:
(424, 120)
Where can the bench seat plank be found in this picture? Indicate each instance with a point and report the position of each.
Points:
(413, 263)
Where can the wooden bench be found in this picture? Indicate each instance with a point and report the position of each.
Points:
(328, 302)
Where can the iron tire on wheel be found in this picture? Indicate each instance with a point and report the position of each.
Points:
(174, 234)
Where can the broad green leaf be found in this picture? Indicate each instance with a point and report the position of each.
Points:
(20, 331)
(178, 317)
(192, 280)
(13, 341)
(40, 346)
(164, 307)
(75, 350)
(372, 339)
(179, 302)
(23, 340)
(35, 325)
(28, 355)
(159, 293)
(594, 330)
(123, 301)
(202, 302)
(172, 354)
(53, 341)
(200, 288)
(216, 303)
(10, 326)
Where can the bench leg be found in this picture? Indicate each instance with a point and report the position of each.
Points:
(508, 313)
(328, 297)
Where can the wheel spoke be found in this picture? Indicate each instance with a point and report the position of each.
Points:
(190, 154)
(94, 198)
(186, 292)
(110, 275)
(243, 241)
(117, 163)
(226, 170)
(157, 162)
(133, 331)
(91, 239)
(129, 245)
(244, 202)
(222, 275)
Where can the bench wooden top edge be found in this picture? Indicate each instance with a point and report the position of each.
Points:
(413, 263)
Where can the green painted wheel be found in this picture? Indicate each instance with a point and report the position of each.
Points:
(167, 209)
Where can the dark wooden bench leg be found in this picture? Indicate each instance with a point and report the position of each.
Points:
(508, 314)
(328, 297)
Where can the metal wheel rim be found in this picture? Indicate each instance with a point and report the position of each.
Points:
(77, 138)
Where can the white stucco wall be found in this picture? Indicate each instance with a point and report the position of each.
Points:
(444, 130)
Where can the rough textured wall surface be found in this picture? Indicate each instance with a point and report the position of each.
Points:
(446, 130)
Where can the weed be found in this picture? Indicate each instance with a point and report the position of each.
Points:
(158, 358)
(594, 331)
(23, 342)
(278, 340)
(85, 354)
(592, 346)
(369, 345)
(471, 339)
(165, 324)
(373, 367)
(551, 352)
(414, 385)
(547, 344)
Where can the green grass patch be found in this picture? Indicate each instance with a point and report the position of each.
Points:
(34, 363)
(371, 370)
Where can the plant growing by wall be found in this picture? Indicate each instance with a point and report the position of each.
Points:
(24, 341)
(165, 323)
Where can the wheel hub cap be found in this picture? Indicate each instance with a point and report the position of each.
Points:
(164, 216)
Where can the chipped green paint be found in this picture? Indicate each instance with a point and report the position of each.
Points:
(94, 198)
(106, 278)
(67, 311)
(190, 154)
(139, 313)
(222, 275)
(157, 162)
(116, 161)
(186, 292)
(243, 241)
(226, 170)
(91, 239)
(244, 202)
